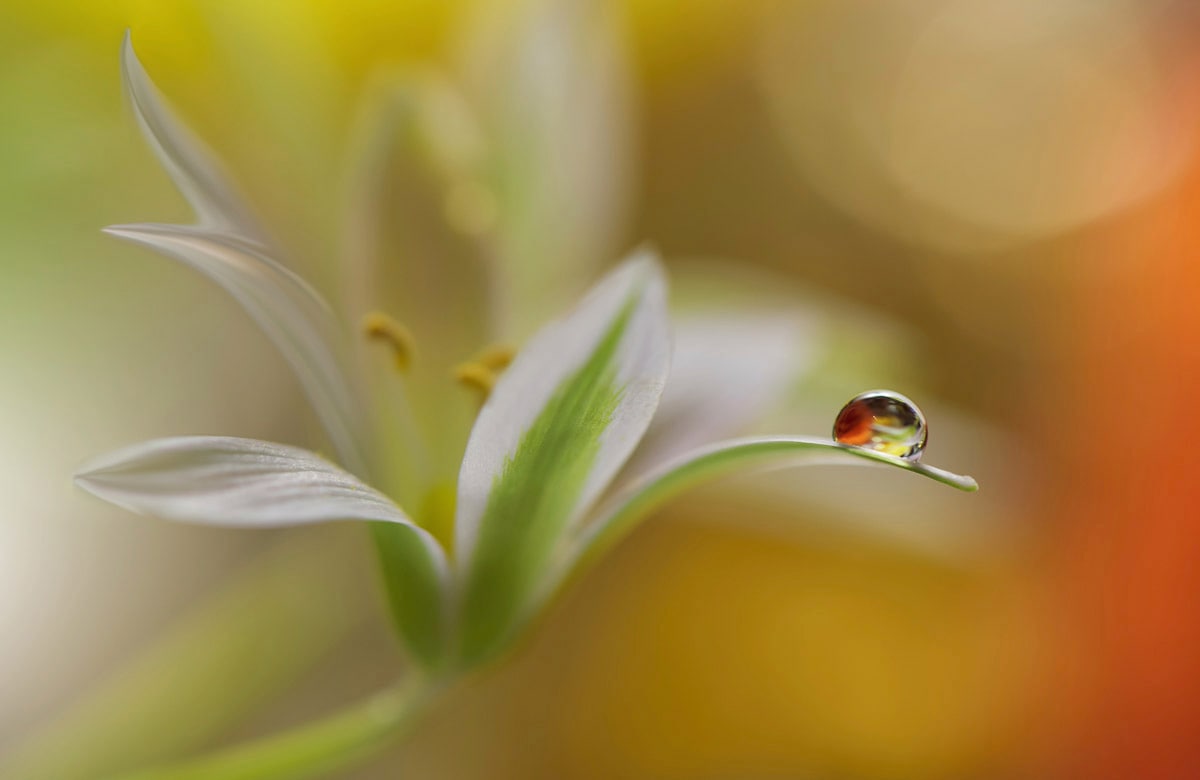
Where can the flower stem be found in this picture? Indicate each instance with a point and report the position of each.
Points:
(327, 745)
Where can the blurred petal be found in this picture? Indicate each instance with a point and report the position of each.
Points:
(289, 311)
(244, 483)
(727, 371)
(191, 166)
(554, 89)
(557, 427)
(416, 248)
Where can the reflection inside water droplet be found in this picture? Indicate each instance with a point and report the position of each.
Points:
(883, 421)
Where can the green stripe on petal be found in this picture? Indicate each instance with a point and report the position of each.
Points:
(558, 426)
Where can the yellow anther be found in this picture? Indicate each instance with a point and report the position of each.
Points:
(381, 327)
(496, 357)
(482, 371)
(477, 376)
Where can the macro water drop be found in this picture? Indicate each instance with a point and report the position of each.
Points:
(883, 421)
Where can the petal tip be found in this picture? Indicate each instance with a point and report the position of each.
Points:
(646, 256)
(90, 479)
(137, 234)
(130, 62)
(963, 482)
(642, 270)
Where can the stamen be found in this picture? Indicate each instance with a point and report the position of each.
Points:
(496, 357)
(477, 376)
(381, 327)
(484, 369)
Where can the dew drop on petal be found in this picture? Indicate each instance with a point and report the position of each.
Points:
(883, 421)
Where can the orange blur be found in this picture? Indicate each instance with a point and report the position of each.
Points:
(1130, 567)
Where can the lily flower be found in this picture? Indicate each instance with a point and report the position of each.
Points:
(562, 460)
(550, 440)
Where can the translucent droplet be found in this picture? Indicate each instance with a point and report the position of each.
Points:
(883, 421)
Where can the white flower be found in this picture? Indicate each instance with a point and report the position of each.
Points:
(542, 488)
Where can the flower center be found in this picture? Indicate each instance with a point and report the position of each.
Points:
(479, 373)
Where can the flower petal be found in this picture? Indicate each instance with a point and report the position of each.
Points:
(727, 370)
(226, 481)
(622, 513)
(244, 483)
(191, 166)
(553, 87)
(290, 312)
(558, 426)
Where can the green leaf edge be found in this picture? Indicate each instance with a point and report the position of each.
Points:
(624, 511)
(331, 744)
(416, 591)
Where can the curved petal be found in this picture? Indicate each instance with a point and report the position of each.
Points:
(233, 482)
(191, 166)
(228, 247)
(244, 483)
(624, 511)
(290, 312)
(559, 424)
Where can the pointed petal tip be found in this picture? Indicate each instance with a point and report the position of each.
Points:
(88, 472)
(134, 233)
(93, 483)
(130, 64)
(962, 482)
(90, 478)
(641, 269)
(646, 255)
(137, 228)
(95, 467)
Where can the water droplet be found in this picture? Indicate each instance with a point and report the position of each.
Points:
(883, 421)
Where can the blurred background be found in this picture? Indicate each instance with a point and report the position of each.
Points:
(988, 205)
